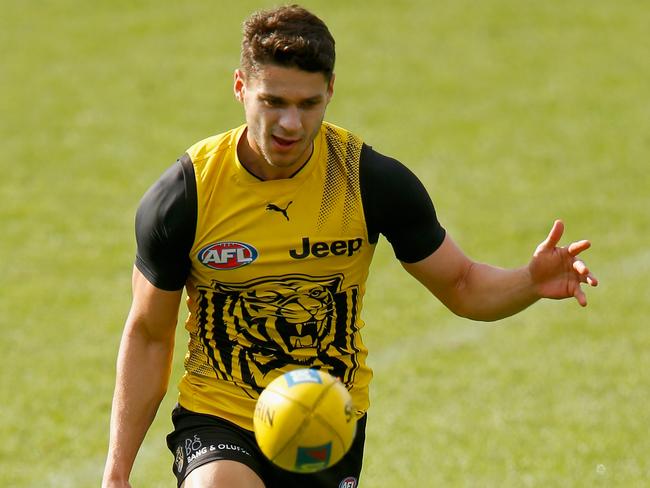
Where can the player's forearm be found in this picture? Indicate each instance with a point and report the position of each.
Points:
(488, 293)
(143, 369)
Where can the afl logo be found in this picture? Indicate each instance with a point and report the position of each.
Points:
(350, 482)
(227, 255)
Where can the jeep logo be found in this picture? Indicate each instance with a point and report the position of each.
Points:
(322, 249)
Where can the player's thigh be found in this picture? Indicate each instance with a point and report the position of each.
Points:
(211, 452)
(223, 474)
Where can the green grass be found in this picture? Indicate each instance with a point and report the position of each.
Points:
(512, 113)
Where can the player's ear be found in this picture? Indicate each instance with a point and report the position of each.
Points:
(330, 88)
(239, 85)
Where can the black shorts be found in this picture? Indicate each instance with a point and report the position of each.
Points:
(198, 439)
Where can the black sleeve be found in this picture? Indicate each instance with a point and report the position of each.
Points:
(165, 225)
(397, 205)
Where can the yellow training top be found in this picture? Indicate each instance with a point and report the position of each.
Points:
(275, 270)
(277, 277)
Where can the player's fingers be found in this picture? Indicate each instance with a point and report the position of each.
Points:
(585, 275)
(591, 280)
(580, 296)
(577, 247)
(580, 267)
(553, 237)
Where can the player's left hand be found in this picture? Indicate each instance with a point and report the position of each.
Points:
(558, 272)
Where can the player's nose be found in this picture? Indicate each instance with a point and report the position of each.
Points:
(290, 120)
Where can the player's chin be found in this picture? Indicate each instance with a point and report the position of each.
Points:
(283, 159)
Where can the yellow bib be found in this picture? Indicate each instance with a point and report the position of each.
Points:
(278, 275)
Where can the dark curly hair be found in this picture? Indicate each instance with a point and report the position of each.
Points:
(288, 36)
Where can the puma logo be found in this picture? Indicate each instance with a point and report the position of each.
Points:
(275, 208)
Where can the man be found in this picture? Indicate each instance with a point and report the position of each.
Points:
(270, 228)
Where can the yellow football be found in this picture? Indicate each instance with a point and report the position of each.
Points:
(304, 421)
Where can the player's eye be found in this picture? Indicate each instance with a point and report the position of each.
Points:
(273, 102)
(307, 104)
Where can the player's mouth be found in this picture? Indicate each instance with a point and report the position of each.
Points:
(284, 144)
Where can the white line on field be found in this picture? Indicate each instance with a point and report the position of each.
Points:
(449, 335)
(634, 264)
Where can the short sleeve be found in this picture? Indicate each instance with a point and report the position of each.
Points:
(165, 226)
(397, 205)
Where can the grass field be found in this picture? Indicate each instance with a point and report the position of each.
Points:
(512, 112)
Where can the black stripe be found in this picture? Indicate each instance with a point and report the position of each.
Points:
(352, 331)
(202, 325)
(220, 335)
(246, 375)
(344, 329)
